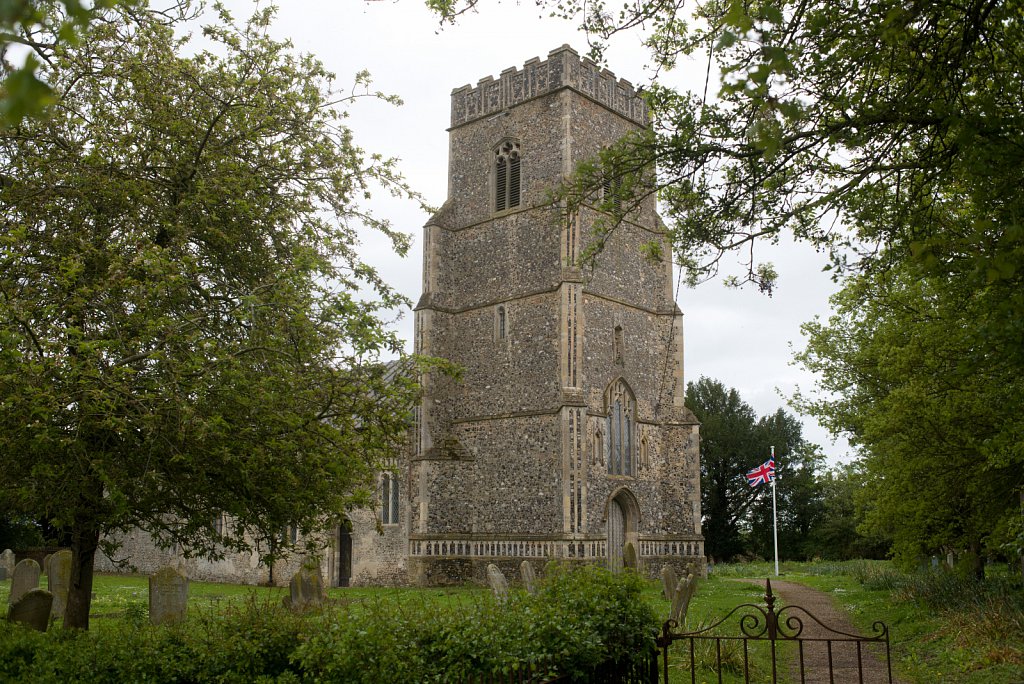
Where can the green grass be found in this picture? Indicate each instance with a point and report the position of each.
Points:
(943, 628)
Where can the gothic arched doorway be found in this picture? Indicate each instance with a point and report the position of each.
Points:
(622, 516)
(343, 557)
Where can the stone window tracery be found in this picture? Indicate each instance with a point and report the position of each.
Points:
(620, 405)
(389, 499)
(506, 176)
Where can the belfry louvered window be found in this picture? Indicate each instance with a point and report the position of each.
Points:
(506, 176)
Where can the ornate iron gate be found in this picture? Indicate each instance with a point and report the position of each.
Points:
(823, 654)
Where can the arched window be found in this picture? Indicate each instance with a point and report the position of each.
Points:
(621, 411)
(506, 176)
(645, 456)
(389, 499)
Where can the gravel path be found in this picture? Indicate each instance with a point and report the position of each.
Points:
(815, 654)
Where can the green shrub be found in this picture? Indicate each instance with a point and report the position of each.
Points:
(578, 621)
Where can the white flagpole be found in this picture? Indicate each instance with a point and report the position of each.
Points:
(775, 518)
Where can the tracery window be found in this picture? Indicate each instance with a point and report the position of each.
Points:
(506, 176)
(389, 499)
(620, 406)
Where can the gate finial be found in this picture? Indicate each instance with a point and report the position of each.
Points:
(770, 616)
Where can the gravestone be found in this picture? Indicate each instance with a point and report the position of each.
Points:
(529, 579)
(168, 596)
(26, 578)
(669, 582)
(495, 578)
(59, 580)
(3, 573)
(681, 601)
(630, 561)
(306, 590)
(7, 561)
(45, 567)
(32, 609)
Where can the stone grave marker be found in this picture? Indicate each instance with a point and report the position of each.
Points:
(529, 579)
(32, 609)
(630, 561)
(497, 581)
(26, 578)
(3, 573)
(306, 590)
(168, 596)
(7, 561)
(681, 601)
(59, 581)
(46, 564)
(669, 582)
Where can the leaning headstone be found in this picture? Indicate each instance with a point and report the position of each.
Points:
(529, 579)
(495, 578)
(45, 567)
(59, 581)
(306, 589)
(32, 609)
(7, 561)
(630, 561)
(681, 601)
(669, 582)
(168, 596)
(26, 578)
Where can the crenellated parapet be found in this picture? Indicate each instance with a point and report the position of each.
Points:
(564, 68)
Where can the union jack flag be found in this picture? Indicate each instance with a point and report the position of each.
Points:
(762, 473)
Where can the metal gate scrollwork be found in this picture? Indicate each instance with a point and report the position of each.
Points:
(822, 653)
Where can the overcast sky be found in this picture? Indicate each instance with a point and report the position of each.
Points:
(740, 337)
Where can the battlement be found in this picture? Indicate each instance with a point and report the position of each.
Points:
(564, 68)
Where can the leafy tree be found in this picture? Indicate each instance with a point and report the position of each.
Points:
(729, 448)
(186, 327)
(738, 520)
(836, 536)
(941, 434)
(37, 27)
(799, 497)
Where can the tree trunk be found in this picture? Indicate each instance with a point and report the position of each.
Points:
(977, 562)
(84, 543)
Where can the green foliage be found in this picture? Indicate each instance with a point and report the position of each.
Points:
(738, 520)
(186, 325)
(578, 620)
(909, 374)
(40, 26)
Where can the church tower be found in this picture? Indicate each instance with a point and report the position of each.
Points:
(566, 437)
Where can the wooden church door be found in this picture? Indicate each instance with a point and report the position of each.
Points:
(616, 535)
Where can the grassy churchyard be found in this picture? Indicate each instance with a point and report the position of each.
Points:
(943, 628)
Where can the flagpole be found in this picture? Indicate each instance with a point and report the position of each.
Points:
(775, 517)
